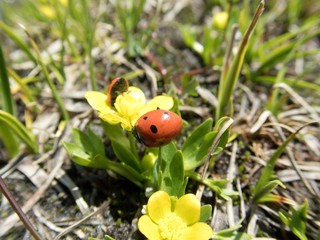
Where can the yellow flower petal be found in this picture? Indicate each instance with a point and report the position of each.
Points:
(192, 204)
(159, 205)
(98, 101)
(112, 117)
(162, 102)
(130, 103)
(148, 228)
(199, 231)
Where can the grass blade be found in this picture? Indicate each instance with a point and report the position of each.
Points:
(227, 84)
(268, 170)
(5, 86)
(47, 77)
(21, 131)
(18, 41)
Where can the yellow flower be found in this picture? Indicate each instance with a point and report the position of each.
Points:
(220, 20)
(128, 107)
(173, 219)
(47, 11)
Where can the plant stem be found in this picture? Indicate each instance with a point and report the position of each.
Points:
(159, 169)
(45, 71)
(23, 217)
(133, 146)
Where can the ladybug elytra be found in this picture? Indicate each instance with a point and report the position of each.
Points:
(118, 85)
(158, 127)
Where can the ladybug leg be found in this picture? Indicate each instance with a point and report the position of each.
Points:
(136, 135)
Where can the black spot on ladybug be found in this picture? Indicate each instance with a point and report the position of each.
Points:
(158, 108)
(153, 129)
(145, 118)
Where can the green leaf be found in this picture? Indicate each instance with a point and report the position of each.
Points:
(89, 141)
(5, 90)
(115, 133)
(197, 145)
(228, 233)
(219, 186)
(83, 158)
(88, 150)
(297, 220)
(9, 140)
(20, 130)
(266, 189)
(124, 154)
(106, 237)
(267, 172)
(79, 156)
(173, 179)
(228, 82)
(18, 41)
(206, 211)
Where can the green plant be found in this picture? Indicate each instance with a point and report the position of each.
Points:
(296, 221)
(128, 17)
(267, 182)
(229, 76)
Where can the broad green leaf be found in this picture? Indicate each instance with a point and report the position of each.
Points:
(115, 133)
(193, 144)
(90, 142)
(218, 186)
(228, 233)
(125, 155)
(79, 156)
(83, 158)
(206, 211)
(200, 155)
(172, 180)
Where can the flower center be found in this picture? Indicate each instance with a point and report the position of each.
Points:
(172, 227)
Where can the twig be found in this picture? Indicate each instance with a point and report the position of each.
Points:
(70, 228)
(23, 217)
(12, 220)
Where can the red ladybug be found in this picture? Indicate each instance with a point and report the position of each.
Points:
(158, 127)
(118, 85)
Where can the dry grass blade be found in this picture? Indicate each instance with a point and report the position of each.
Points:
(73, 226)
(230, 176)
(12, 219)
(293, 161)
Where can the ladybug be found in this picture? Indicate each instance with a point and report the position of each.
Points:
(118, 85)
(158, 127)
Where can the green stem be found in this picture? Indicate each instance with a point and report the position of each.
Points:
(133, 146)
(6, 192)
(47, 77)
(159, 169)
